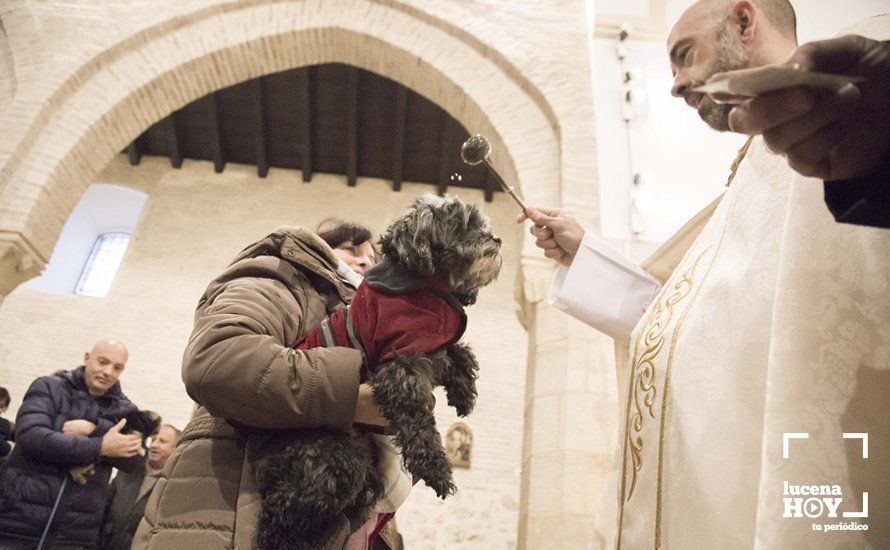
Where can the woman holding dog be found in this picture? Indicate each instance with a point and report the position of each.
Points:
(240, 369)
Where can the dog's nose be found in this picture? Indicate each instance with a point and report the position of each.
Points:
(496, 239)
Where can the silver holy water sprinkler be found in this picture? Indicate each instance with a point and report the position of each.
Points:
(476, 151)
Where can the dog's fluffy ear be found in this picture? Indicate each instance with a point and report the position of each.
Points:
(459, 379)
(409, 240)
(457, 260)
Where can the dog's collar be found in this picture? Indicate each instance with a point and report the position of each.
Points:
(393, 279)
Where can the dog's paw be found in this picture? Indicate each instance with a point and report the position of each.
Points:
(433, 467)
(459, 378)
(442, 486)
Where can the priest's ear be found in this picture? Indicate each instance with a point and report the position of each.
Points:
(743, 22)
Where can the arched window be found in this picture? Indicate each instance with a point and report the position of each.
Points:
(93, 241)
(102, 264)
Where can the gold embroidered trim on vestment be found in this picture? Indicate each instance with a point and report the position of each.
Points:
(667, 382)
(652, 336)
(630, 386)
(644, 366)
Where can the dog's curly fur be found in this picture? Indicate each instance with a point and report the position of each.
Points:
(312, 481)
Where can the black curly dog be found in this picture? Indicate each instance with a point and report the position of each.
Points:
(313, 480)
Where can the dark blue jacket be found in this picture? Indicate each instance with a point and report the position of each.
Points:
(6, 435)
(43, 454)
(862, 201)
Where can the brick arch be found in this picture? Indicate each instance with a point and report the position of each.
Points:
(7, 71)
(127, 88)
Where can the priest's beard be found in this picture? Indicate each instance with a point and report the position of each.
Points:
(731, 56)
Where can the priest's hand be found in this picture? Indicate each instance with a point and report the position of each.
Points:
(557, 234)
(831, 135)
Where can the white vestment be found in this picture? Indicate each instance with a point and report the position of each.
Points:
(776, 321)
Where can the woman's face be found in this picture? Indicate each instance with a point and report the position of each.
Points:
(357, 256)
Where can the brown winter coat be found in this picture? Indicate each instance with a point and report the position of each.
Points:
(238, 366)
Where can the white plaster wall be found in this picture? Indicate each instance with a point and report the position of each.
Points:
(686, 162)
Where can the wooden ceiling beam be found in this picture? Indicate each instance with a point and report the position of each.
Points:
(173, 141)
(447, 155)
(134, 152)
(262, 161)
(352, 127)
(305, 88)
(488, 184)
(398, 153)
(216, 146)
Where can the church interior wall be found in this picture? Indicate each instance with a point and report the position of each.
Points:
(7, 71)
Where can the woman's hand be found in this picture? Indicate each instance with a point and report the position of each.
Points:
(366, 409)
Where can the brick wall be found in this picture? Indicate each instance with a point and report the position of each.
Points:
(193, 224)
(7, 71)
(91, 76)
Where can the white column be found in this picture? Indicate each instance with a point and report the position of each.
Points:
(570, 421)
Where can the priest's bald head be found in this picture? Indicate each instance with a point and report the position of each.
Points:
(714, 36)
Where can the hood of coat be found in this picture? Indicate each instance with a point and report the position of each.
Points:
(285, 249)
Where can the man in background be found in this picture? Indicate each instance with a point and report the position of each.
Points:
(39, 499)
(129, 491)
(7, 432)
(7, 428)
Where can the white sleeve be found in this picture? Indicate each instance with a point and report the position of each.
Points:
(604, 289)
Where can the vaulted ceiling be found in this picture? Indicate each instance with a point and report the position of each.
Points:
(330, 118)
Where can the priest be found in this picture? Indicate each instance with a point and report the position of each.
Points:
(763, 362)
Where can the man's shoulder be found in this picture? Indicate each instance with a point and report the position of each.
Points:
(57, 380)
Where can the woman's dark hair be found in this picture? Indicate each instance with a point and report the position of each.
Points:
(4, 397)
(336, 232)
